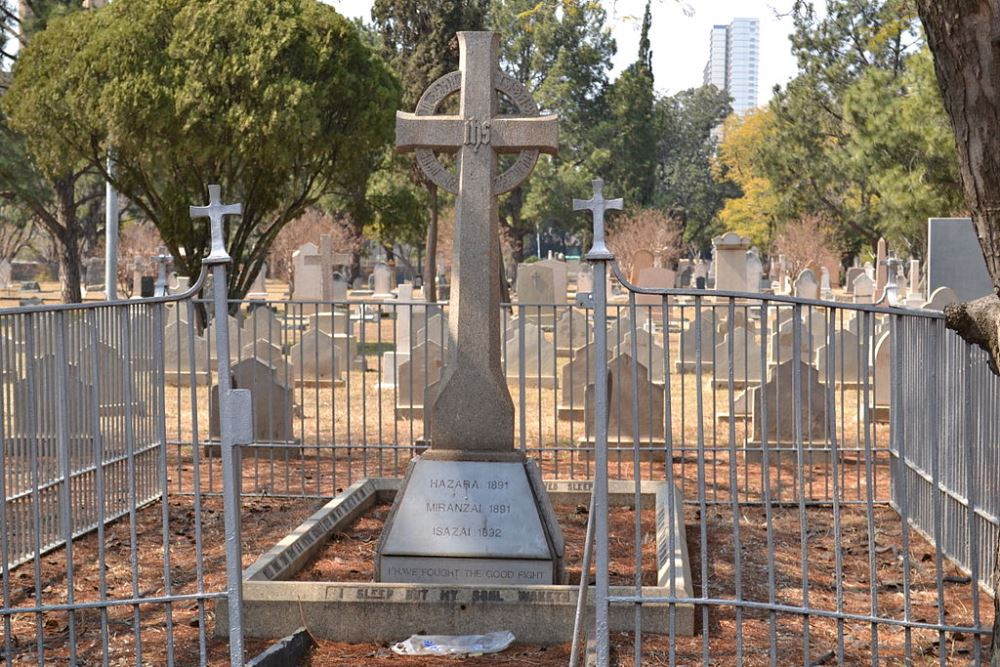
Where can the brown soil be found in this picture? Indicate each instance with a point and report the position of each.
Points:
(349, 555)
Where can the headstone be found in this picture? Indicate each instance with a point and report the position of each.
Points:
(560, 279)
(955, 259)
(573, 330)
(382, 281)
(755, 269)
(779, 397)
(648, 351)
(783, 343)
(914, 295)
(852, 275)
(5, 273)
(573, 380)
(849, 364)
(539, 367)
(686, 361)
(94, 275)
(179, 342)
(414, 375)
(262, 323)
(730, 262)
(655, 278)
(314, 359)
(235, 340)
(147, 286)
(882, 378)
(748, 367)
(881, 270)
(258, 289)
(307, 274)
(585, 280)
(472, 509)
(806, 286)
(624, 405)
(535, 284)
(942, 296)
(641, 260)
(270, 354)
(863, 288)
(825, 291)
(273, 406)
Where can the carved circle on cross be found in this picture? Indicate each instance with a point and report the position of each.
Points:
(452, 83)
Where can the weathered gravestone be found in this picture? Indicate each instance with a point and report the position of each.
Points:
(273, 406)
(851, 276)
(693, 336)
(573, 330)
(185, 354)
(653, 277)
(850, 364)
(414, 374)
(314, 359)
(258, 289)
(626, 403)
(536, 290)
(573, 381)
(641, 260)
(775, 407)
(539, 366)
(881, 269)
(382, 281)
(755, 269)
(5, 274)
(806, 286)
(747, 366)
(472, 509)
(730, 262)
(560, 279)
(955, 259)
(863, 288)
(942, 296)
(307, 273)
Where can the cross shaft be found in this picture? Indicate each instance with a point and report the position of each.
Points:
(215, 212)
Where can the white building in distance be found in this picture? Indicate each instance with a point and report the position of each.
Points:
(733, 59)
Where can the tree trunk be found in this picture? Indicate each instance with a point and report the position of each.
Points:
(430, 264)
(964, 36)
(69, 241)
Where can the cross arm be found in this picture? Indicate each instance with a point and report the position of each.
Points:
(512, 134)
(444, 133)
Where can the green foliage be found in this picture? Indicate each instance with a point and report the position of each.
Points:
(635, 135)
(280, 102)
(561, 51)
(686, 188)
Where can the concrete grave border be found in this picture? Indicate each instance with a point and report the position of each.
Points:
(365, 612)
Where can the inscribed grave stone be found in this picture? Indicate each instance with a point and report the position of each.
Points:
(747, 364)
(471, 421)
(781, 403)
(849, 364)
(560, 279)
(273, 406)
(863, 288)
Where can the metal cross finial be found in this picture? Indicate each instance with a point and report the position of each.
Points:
(163, 259)
(598, 205)
(215, 211)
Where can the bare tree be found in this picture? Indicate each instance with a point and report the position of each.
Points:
(808, 243)
(646, 229)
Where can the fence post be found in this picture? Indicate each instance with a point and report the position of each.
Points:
(231, 468)
(599, 255)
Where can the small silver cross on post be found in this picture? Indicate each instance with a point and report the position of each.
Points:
(234, 414)
(163, 259)
(598, 205)
(600, 256)
(215, 211)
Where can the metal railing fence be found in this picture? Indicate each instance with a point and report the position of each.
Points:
(830, 492)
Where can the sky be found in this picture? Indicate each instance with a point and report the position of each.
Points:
(680, 42)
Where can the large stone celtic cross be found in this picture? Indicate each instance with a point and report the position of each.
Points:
(473, 409)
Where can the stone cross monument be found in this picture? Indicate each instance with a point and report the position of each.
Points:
(472, 508)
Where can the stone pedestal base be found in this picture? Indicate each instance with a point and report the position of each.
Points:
(456, 521)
